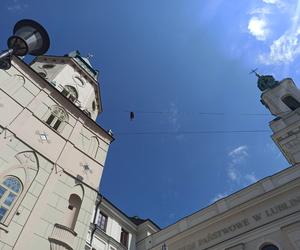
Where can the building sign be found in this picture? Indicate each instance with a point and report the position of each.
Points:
(209, 237)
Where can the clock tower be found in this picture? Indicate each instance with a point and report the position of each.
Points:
(52, 152)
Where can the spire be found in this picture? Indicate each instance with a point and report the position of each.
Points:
(265, 82)
(84, 62)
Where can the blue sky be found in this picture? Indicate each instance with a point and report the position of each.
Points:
(171, 61)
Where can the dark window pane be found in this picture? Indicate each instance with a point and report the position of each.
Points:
(124, 237)
(72, 98)
(2, 212)
(102, 221)
(9, 199)
(42, 74)
(270, 247)
(2, 191)
(291, 102)
(50, 119)
(65, 92)
(48, 66)
(56, 125)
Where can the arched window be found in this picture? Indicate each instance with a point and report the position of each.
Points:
(42, 74)
(57, 117)
(94, 145)
(73, 210)
(291, 102)
(70, 92)
(269, 247)
(10, 189)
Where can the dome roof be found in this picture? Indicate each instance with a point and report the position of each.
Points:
(84, 62)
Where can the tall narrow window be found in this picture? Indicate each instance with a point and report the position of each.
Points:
(269, 247)
(10, 189)
(291, 102)
(102, 221)
(124, 237)
(57, 117)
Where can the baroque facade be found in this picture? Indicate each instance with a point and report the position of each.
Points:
(262, 216)
(52, 152)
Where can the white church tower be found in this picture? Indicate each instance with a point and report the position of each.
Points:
(283, 100)
(52, 152)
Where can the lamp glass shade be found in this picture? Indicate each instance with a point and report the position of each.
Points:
(29, 37)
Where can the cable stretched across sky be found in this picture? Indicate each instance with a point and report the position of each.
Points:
(199, 132)
(194, 113)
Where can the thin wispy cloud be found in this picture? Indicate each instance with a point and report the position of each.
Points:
(284, 47)
(278, 3)
(251, 178)
(238, 174)
(218, 197)
(237, 157)
(16, 5)
(236, 171)
(261, 11)
(271, 1)
(239, 152)
(173, 117)
(174, 120)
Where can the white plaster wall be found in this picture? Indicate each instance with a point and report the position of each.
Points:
(25, 100)
(65, 74)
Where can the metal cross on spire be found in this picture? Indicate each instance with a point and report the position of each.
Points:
(255, 72)
(89, 56)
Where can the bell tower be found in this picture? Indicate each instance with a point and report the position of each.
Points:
(74, 76)
(52, 151)
(282, 98)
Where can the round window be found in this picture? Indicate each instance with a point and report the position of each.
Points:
(79, 81)
(42, 74)
(48, 66)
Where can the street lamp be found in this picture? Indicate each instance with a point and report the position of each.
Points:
(29, 38)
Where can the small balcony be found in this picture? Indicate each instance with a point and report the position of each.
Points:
(62, 238)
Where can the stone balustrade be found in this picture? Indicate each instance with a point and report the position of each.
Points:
(62, 238)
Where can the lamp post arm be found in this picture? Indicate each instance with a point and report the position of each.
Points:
(6, 53)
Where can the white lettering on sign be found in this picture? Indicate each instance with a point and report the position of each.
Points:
(243, 223)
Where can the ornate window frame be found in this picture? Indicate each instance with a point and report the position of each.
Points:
(57, 118)
(26, 171)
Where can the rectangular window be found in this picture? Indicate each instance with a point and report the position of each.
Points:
(102, 221)
(124, 237)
